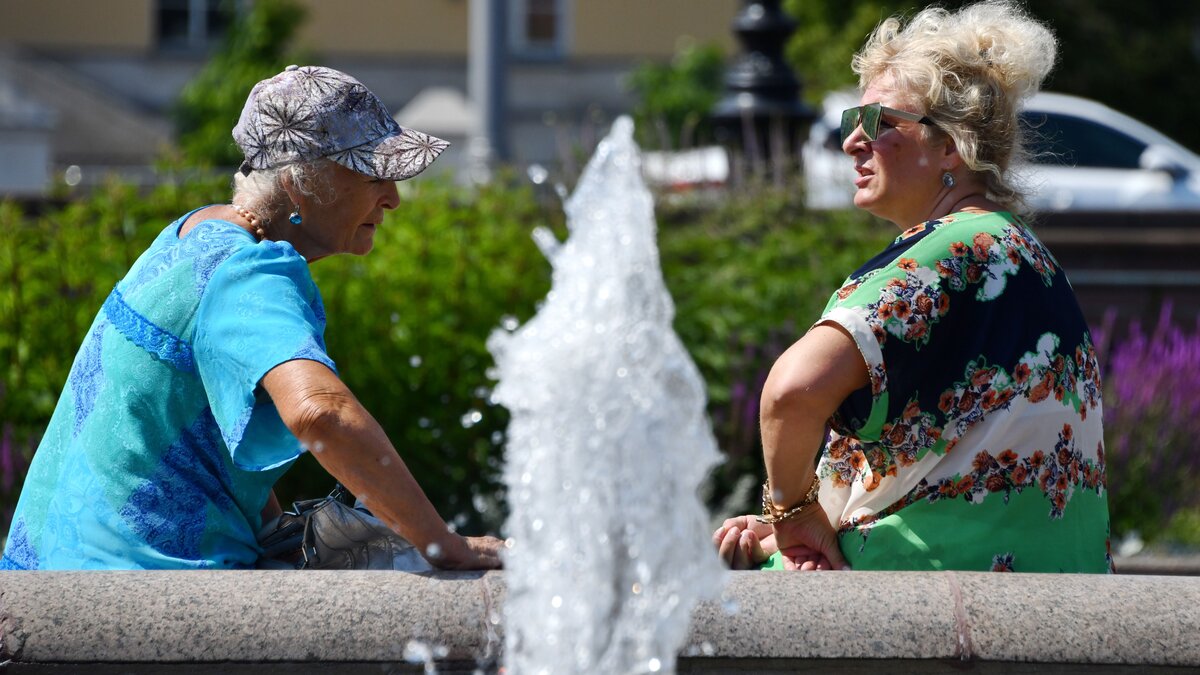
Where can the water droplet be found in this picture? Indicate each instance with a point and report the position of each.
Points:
(537, 173)
(73, 175)
(509, 543)
(481, 505)
(424, 423)
(509, 323)
(417, 652)
(472, 418)
(655, 665)
(637, 589)
(318, 446)
(536, 525)
(497, 437)
(414, 361)
(494, 617)
(526, 478)
(482, 392)
(731, 607)
(395, 317)
(622, 372)
(433, 551)
(385, 460)
(556, 601)
(707, 648)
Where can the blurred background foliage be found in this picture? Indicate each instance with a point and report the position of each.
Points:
(749, 271)
(408, 325)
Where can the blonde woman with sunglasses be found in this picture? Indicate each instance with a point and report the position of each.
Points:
(944, 412)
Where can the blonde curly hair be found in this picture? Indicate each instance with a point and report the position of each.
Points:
(971, 70)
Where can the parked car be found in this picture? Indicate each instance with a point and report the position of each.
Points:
(1085, 157)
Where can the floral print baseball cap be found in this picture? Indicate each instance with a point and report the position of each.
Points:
(309, 112)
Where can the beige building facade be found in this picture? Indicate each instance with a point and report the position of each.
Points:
(114, 67)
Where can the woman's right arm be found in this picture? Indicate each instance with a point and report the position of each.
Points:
(347, 441)
(806, 385)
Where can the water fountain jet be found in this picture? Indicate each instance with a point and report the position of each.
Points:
(607, 444)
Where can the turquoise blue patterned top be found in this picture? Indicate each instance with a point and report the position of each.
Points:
(163, 449)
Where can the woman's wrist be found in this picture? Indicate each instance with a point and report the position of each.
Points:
(773, 513)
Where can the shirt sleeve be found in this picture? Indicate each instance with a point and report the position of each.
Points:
(891, 313)
(260, 309)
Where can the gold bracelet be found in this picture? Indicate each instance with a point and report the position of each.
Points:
(772, 514)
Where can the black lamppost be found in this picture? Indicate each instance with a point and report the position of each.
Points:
(761, 119)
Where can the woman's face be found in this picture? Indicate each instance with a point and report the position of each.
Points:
(343, 217)
(899, 173)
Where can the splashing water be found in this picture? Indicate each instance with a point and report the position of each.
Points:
(607, 444)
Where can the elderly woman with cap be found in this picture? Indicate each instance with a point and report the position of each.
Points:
(204, 375)
(951, 380)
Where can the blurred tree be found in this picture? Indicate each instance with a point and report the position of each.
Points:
(674, 99)
(828, 32)
(255, 48)
(1135, 58)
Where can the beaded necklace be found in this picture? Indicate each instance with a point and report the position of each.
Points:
(256, 223)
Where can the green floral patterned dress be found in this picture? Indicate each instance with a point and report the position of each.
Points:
(978, 444)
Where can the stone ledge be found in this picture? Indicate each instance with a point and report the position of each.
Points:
(763, 622)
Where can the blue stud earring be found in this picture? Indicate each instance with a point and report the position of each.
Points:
(295, 217)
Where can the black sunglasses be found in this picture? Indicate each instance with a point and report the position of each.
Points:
(869, 115)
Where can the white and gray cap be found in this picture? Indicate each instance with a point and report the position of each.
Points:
(309, 112)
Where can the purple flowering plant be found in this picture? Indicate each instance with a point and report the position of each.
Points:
(1152, 424)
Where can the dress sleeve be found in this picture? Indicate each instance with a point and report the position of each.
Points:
(891, 313)
(260, 309)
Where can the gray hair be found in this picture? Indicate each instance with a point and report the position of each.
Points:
(262, 191)
(971, 71)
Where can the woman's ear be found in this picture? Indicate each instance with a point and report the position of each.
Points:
(288, 182)
(951, 159)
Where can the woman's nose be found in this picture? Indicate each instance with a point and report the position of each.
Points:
(855, 142)
(391, 196)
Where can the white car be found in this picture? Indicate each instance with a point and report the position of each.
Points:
(1085, 157)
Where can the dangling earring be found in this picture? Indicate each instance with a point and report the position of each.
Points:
(948, 179)
(295, 218)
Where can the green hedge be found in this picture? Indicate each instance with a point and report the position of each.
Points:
(408, 323)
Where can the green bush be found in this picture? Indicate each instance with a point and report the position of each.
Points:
(408, 323)
(749, 275)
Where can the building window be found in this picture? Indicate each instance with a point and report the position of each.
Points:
(538, 28)
(193, 24)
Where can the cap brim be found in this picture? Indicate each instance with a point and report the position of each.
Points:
(395, 157)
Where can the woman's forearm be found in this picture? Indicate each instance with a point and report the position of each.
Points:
(348, 443)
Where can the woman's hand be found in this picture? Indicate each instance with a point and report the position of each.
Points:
(466, 553)
(809, 542)
(744, 543)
